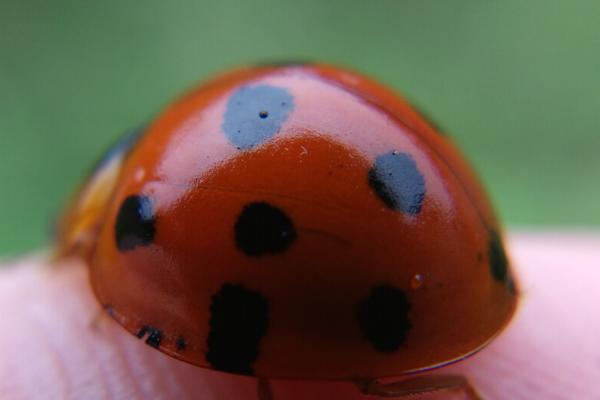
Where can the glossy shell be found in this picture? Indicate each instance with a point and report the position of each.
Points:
(295, 221)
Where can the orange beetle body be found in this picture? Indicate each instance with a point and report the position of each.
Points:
(296, 221)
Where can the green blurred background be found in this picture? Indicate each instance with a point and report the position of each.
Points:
(514, 82)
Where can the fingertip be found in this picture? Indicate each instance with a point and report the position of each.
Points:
(58, 343)
(52, 348)
(61, 344)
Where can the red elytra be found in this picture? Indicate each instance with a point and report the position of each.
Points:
(295, 221)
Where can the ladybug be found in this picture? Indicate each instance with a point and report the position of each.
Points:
(296, 221)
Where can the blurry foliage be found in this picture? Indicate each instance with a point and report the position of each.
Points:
(514, 82)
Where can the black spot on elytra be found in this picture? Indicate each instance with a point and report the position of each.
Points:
(499, 262)
(119, 150)
(135, 223)
(180, 344)
(383, 318)
(497, 258)
(262, 228)
(154, 335)
(238, 321)
(395, 179)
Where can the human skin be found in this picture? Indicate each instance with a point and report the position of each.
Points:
(56, 342)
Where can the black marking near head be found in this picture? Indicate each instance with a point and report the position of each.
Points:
(238, 321)
(154, 335)
(262, 228)
(397, 182)
(499, 262)
(255, 114)
(383, 318)
(135, 223)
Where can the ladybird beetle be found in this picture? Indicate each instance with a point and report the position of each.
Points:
(296, 221)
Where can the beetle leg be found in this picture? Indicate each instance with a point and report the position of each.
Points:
(419, 385)
(264, 389)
